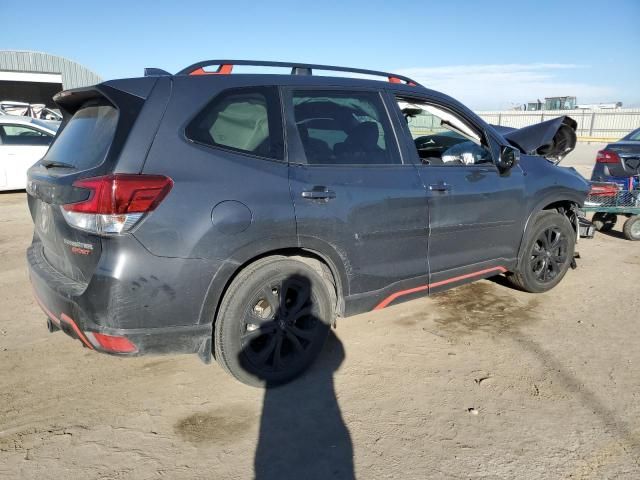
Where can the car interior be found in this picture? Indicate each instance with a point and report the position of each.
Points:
(442, 138)
(335, 130)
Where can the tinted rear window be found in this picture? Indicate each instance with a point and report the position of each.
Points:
(85, 140)
(245, 120)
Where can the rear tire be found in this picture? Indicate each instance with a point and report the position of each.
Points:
(631, 228)
(273, 321)
(547, 253)
(604, 222)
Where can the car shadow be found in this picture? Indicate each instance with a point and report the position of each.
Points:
(613, 234)
(502, 281)
(302, 433)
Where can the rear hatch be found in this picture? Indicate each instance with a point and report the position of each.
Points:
(92, 139)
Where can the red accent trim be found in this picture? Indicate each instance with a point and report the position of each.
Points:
(394, 80)
(66, 319)
(421, 288)
(53, 318)
(63, 318)
(113, 343)
(222, 70)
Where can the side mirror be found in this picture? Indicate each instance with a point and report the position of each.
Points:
(509, 158)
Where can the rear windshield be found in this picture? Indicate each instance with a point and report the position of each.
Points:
(635, 135)
(85, 140)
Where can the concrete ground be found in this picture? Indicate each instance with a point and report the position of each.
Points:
(480, 382)
(583, 157)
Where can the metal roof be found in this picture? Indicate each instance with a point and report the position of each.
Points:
(73, 74)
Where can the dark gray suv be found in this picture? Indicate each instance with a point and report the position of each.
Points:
(238, 215)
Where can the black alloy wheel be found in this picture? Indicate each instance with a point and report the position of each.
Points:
(274, 319)
(279, 325)
(549, 254)
(546, 254)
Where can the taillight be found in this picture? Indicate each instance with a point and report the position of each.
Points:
(116, 202)
(604, 189)
(607, 156)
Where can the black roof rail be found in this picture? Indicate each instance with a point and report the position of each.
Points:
(226, 66)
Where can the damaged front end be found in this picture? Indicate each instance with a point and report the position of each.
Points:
(553, 139)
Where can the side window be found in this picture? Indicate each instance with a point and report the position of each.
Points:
(345, 128)
(22, 135)
(442, 137)
(245, 120)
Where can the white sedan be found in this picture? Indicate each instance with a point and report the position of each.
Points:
(23, 141)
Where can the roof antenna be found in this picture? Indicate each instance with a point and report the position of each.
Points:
(155, 72)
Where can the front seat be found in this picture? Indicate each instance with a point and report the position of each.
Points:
(316, 150)
(361, 146)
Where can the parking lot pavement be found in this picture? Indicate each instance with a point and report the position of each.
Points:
(583, 157)
(482, 381)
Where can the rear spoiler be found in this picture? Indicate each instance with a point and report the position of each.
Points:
(113, 90)
(553, 139)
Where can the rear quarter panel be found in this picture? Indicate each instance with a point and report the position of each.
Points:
(222, 202)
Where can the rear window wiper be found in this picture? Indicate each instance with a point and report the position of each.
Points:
(54, 164)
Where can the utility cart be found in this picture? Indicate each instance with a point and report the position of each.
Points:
(607, 200)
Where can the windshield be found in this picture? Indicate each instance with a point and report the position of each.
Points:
(85, 140)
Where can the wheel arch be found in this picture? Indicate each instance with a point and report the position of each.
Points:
(233, 266)
(562, 202)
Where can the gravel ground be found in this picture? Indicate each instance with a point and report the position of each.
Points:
(479, 382)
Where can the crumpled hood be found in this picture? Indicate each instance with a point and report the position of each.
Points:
(553, 139)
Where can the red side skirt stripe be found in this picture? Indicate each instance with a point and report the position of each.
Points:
(421, 288)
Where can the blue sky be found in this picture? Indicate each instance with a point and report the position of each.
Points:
(489, 54)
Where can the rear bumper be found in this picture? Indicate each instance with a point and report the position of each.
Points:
(78, 311)
(601, 173)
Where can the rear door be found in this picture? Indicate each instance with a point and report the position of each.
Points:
(20, 147)
(353, 194)
(476, 213)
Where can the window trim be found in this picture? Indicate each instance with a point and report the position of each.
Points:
(395, 96)
(277, 111)
(294, 143)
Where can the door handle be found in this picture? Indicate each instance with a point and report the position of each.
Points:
(319, 193)
(440, 187)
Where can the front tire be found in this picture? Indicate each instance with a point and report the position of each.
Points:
(547, 253)
(273, 321)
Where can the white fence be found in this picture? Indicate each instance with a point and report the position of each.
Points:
(597, 124)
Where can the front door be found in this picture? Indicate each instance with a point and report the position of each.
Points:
(353, 193)
(476, 212)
